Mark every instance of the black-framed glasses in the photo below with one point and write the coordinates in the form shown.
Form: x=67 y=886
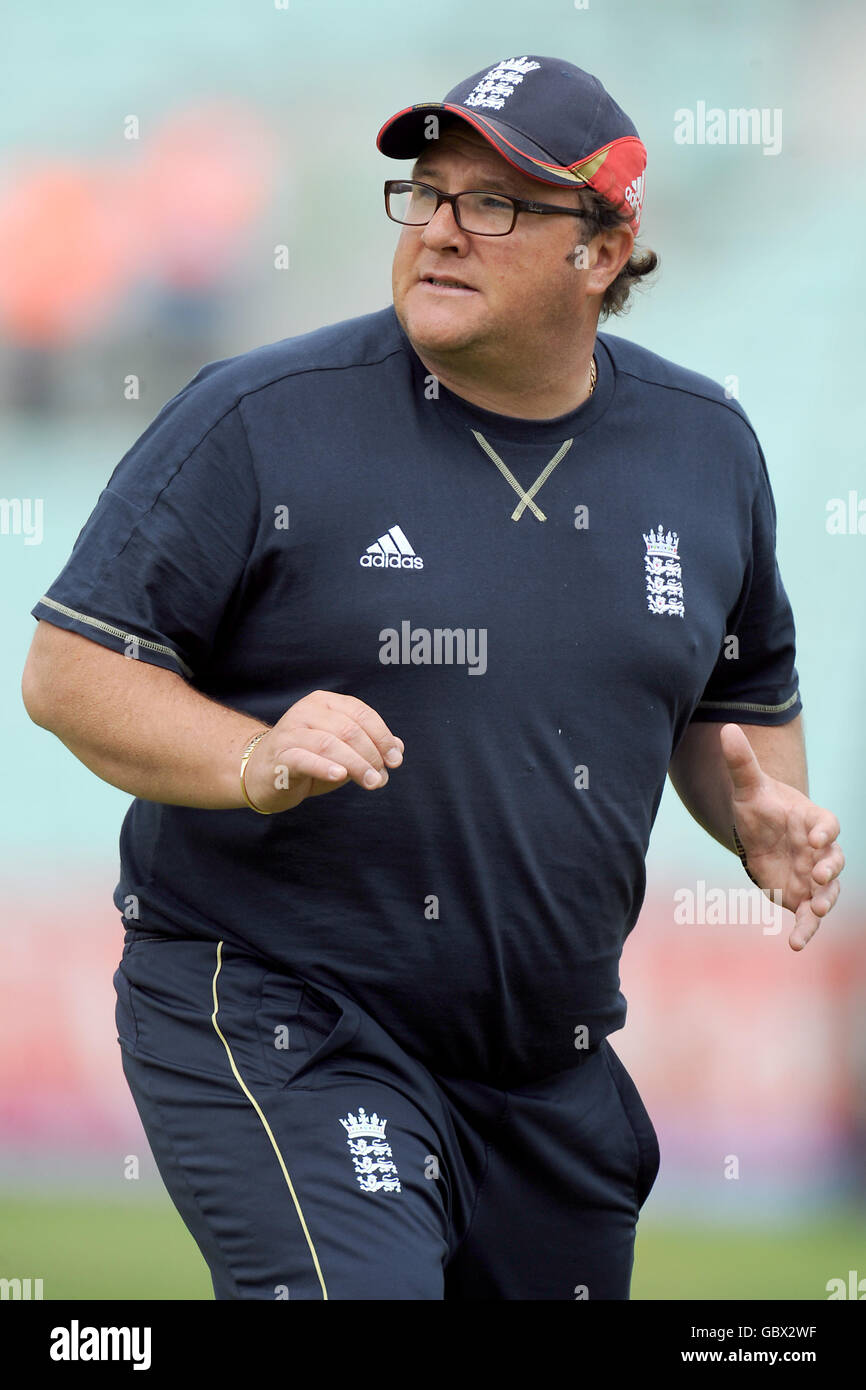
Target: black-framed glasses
x=475 y=211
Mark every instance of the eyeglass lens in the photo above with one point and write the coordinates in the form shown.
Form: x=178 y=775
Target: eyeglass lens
x=485 y=213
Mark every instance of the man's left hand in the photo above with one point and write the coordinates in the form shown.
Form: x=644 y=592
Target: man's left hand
x=790 y=843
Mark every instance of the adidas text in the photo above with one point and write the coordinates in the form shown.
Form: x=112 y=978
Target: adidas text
x=392 y=562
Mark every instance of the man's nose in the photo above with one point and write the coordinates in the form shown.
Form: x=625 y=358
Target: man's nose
x=442 y=229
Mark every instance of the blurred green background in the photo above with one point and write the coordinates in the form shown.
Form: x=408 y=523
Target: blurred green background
x=153 y=159
x=93 y=1249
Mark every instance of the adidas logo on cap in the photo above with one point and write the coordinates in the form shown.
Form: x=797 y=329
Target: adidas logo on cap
x=634 y=193
x=391 y=551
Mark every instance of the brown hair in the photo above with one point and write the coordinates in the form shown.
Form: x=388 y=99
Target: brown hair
x=601 y=216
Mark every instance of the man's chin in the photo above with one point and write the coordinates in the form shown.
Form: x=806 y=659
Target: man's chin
x=442 y=328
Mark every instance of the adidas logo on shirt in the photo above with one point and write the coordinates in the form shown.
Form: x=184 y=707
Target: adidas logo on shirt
x=392 y=552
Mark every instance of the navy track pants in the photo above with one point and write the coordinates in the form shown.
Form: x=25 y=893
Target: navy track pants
x=312 y=1158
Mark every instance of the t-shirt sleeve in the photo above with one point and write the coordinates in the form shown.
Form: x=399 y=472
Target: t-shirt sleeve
x=156 y=563
x=755 y=680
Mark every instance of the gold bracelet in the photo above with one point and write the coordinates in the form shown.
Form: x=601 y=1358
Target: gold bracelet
x=245 y=757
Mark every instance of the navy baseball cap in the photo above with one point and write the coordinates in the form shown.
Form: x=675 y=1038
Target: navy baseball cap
x=557 y=124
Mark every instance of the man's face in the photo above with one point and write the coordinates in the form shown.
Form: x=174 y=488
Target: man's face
x=525 y=281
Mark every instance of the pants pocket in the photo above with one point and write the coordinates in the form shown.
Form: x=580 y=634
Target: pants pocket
x=124 y=1013
x=191 y=1005
x=646 y=1139
x=300 y=1027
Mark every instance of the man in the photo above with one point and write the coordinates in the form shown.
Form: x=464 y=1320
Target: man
x=471 y=540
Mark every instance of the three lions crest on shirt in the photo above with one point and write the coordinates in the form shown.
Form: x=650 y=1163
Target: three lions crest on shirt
x=664 y=575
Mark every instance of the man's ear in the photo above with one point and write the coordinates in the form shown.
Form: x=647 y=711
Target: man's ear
x=605 y=257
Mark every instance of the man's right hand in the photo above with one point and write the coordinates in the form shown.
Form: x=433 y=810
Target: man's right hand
x=321 y=742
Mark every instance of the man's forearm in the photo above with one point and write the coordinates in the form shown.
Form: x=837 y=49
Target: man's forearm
x=137 y=726
x=703 y=784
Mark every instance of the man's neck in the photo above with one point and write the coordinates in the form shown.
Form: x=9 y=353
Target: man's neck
x=519 y=392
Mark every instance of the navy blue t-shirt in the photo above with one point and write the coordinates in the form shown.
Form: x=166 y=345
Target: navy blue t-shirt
x=537 y=608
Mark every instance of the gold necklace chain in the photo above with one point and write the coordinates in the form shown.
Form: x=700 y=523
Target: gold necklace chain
x=593 y=376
